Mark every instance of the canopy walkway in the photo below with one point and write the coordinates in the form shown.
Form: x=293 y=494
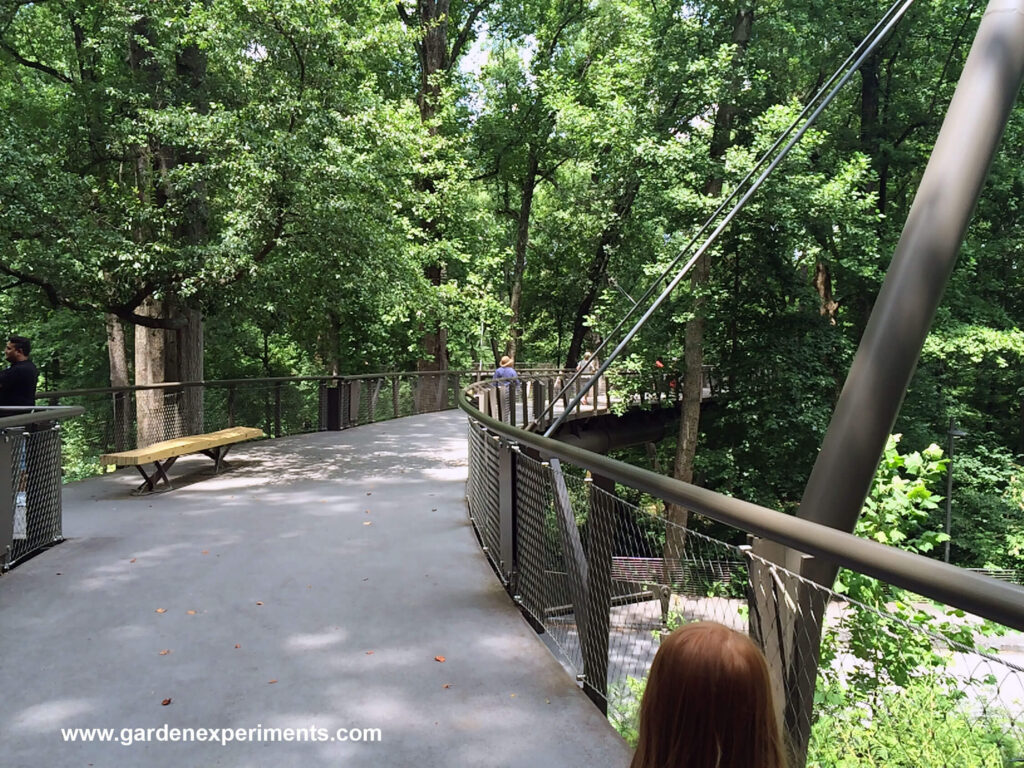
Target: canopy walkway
x=327 y=581
x=331 y=580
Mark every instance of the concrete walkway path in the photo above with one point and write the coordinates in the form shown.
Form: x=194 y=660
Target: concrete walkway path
x=314 y=587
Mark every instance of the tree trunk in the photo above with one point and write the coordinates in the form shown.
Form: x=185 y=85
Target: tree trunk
x=117 y=353
x=598 y=270
x=432 y=50
x=823 y=285
x=693 y=354
x=433 y=53
x=168 y=355
x=151 y=426
x=522 y=242
x=331 y=344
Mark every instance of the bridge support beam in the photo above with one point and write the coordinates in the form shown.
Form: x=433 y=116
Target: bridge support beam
x=903 y=313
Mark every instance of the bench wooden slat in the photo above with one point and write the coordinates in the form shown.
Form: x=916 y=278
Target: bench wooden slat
x=180 y=446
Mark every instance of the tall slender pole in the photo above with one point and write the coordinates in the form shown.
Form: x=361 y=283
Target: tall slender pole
x=951 y=435
x=920 y=269
x=895 y=334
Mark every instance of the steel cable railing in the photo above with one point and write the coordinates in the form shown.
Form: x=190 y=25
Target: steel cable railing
x=809 y=114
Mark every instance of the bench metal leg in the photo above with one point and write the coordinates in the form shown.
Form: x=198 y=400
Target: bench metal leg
x=218 y=454
x=152 y=479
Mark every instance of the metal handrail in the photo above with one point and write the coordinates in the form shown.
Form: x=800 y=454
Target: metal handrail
x=986 y=597
x=39 y=413
x=57 y=394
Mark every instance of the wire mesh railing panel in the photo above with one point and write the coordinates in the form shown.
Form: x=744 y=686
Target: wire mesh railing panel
x=482 y=487
x=865 y=673
x=382 y=398
x=218 y=408
x=299 y=407
x=360 y=395
x=904 y=682
x=490 y=520
x=35 y=482
x=536 y=537
x=899 y=682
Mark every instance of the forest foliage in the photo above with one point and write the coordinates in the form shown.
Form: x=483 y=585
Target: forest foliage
x=326 y=185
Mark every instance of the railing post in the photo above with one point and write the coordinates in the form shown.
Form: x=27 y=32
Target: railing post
x=7 y=473
x=373 y=393
x=508 y=402
x=277 y=409
x=538 y=400
x=354 y=398
x=442 y=391
x=506 y=508
x=344 y=397
x=394 y=395
x=231 y=405
x=321 y=424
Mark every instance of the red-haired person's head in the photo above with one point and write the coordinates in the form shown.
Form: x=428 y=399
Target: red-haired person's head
x=708 y=704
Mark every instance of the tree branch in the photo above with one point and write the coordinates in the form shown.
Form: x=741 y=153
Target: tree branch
x=463 y=37
x=49 y=289
x=403 y=14
x=35 y=64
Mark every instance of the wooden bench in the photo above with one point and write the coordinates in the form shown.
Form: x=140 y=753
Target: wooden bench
x=163 y=455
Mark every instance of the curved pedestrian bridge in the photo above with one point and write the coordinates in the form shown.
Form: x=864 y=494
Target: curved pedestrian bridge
x=330 y=581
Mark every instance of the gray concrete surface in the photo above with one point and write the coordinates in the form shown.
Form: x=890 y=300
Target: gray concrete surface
x=310 y=587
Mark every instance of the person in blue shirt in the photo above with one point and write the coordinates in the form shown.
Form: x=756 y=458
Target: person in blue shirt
x=505 y=370
x=508 y=376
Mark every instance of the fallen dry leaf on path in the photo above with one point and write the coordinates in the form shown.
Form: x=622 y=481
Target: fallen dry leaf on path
x=271 y=682
x=439 y=658
x=166 y=701
x=205 y=552
x=367 y=523
x=447 y=685
x=369 y=653
x=165 y=651
x=259 y=602
x=191 y=613
x=132 y=560
x=238 y=645
x=161 y=610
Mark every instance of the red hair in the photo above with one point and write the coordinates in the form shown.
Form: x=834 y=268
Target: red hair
x=708 y=704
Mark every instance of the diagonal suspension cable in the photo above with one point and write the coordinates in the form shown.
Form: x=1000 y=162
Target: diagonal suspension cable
x=860 y=53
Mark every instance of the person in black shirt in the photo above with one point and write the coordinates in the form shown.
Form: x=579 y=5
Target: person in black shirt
x=18 y=382
x=18 y=387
